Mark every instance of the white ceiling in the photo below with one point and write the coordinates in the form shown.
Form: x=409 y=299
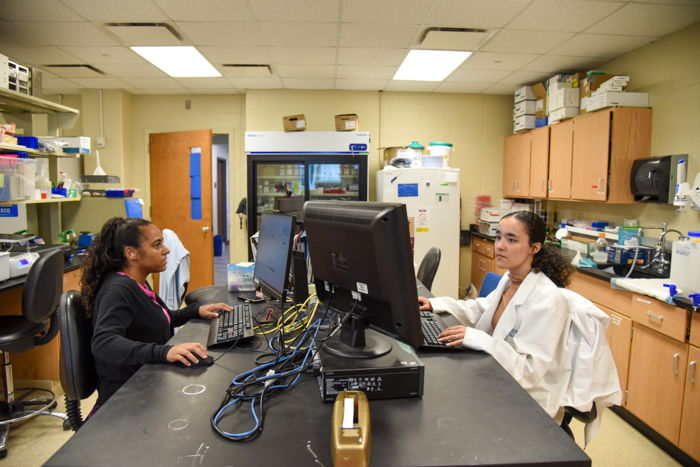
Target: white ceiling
x=332 y=44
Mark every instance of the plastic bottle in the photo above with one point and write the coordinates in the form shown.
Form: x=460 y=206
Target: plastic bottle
x=600 y=255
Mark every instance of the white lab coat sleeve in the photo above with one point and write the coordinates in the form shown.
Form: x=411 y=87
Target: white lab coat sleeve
x=536 y=342
x=467 y=312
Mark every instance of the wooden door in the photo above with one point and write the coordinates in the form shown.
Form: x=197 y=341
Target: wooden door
x=657 y=380
x=539 y=161
x=174 y=204
x=591 y=156
x=690 y=423
x=560 y=158
x=619 y=336
x=516 y=164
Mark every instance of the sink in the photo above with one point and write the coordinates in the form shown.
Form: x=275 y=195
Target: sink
x=622 y=270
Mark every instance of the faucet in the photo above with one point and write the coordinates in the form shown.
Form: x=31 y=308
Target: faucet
x=660 y=256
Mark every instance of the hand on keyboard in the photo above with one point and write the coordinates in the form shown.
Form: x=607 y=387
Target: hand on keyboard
x=212 y=310
x=453 y=336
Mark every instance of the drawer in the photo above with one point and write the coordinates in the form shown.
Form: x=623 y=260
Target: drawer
x=659 y=316
x=485 y=247
x=600 y=292
x=695 y=329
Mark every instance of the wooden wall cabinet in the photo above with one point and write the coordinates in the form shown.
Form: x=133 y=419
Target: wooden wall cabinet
x=539 y=162
x=483 y=261
x=561 y=149
x=516 y=165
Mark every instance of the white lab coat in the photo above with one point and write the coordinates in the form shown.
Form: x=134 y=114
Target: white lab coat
x=528 y=340
x=177 y=272
x=594 y=375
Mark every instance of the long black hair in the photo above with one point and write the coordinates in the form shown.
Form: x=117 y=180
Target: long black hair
x=106 y=254
x=548 y=260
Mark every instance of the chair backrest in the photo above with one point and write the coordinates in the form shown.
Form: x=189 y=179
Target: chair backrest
x=43 y=287
x=77 y=365
x=428 y=267
x=491 y=280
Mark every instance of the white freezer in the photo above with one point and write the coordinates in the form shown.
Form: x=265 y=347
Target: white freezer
x=431 y=196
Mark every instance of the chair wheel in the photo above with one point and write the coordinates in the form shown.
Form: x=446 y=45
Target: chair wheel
x=67 y=426
x=3 y=454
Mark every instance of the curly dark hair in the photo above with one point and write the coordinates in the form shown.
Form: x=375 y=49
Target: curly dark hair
x=106 y=254
x=548 y=260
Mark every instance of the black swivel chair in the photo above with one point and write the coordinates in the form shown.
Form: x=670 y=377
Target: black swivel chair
x=428 y=267
x=583 y=417
x=37 y=326
x=78 y=374
x=202 y=295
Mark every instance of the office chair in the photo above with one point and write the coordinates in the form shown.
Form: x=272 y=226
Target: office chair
x=491 y=280
x=37 y=326
x=202 y=295
x=428 y=267
x=77 y=364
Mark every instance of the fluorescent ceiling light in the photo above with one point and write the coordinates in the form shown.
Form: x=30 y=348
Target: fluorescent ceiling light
x=430 y=65
x=178 y=62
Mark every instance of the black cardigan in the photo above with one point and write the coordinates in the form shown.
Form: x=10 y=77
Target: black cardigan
x=129 y=330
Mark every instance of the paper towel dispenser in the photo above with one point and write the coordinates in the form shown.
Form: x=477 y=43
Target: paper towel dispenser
x=653 y=180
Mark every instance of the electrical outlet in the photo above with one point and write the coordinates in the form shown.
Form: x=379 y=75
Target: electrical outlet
x=101 y=142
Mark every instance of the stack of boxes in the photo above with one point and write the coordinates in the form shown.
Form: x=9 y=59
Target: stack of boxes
x=562 y=98
x=524 y=109
x=612 y=93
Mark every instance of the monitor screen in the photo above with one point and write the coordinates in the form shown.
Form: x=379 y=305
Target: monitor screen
x=272 y=261
x=365 y=248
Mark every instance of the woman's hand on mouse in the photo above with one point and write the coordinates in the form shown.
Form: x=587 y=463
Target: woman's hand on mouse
x=184 y=353
x=211 y=311
x=424 y=304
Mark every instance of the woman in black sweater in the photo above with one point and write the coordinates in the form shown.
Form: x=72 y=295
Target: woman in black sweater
x=131 y=323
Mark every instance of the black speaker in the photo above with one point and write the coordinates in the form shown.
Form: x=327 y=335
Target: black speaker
x=300 y=277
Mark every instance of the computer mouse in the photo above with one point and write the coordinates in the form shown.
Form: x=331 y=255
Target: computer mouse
x=202 y=361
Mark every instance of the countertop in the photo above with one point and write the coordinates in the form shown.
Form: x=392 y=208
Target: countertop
x=73 y=263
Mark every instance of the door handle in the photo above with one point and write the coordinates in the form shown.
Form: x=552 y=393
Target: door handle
x=517 y=188
x=675 y=360
x=690 y=372
x=654 y=316
x=549 y=185
x=542 y=184
x=600 y=186
x=205 y=229
x=512 y=185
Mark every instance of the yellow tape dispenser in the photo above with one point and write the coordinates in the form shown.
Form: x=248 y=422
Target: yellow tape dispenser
x=351 y=440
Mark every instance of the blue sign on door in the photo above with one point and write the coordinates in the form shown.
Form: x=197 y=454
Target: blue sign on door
x=9 y=211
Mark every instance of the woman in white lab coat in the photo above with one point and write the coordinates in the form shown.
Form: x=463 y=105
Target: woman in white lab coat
x=522 y=322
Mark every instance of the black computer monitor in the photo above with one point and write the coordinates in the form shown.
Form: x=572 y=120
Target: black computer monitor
x=364 y=249
x=273 y=258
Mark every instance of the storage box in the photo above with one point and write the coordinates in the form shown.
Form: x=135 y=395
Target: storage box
x=294 y=122
x=393 y=152
x=576 y=79
x=241 y=277
x=611 y=99
x=540 y=122
x=17 y=178
x=524 y=93
x=621 y=254
x=347 y=122
x=540 y=100
x=562 y=114
x=567 y=97
x=493 y=214
x=69 y=144
x=524 y=122
x=488 y=228
x=524 y=108
x=119 y=192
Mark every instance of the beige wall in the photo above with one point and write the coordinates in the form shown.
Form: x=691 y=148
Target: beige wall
x=669 y=70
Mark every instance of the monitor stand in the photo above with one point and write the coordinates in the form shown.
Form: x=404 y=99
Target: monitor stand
x=354 y=343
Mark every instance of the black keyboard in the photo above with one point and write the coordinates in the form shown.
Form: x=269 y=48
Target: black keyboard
x=432 y=328
x=231 y=327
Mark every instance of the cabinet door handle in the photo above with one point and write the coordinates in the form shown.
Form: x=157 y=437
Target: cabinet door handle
x=654 y=316
x=675 y=360
x=486 y=248
x=690 y=372
x=512 y=185
x=517 y=186
x=600 y=186
x=542 y=184
x=549 y=185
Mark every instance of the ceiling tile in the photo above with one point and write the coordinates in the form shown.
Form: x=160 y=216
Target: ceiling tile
x=133 y=71
x=386 y=11
x=164 y=91
x=205 y=83
x=293 y=83
x=477 y=76
x=361 y=84
x=47 y=74
x=80 y=71
x=306 y=71
x=59 y=83
x=470 y=88
x=250 y=55
x=563 y=64
x=599 y=45
x=101 y=83
x=37 y=10
x=122 y=11
x=205 y=10
x=151 y=83
x=12 y=35
x=377 y=35
x=297 y=11
x=222 y=33
x=300 y=34
x=41 y=55
x=497 y=61
x=304 y=55
x=503 y=89
x=230 y=90
x=68 y=33
x=411 y=86
x=99 y=55
x=366 y=72
x=370 y=56
x=481 y=14
x=562 y=15
x=647 y=20
x=526 y=42
x=256 y=83
x=523 y=78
